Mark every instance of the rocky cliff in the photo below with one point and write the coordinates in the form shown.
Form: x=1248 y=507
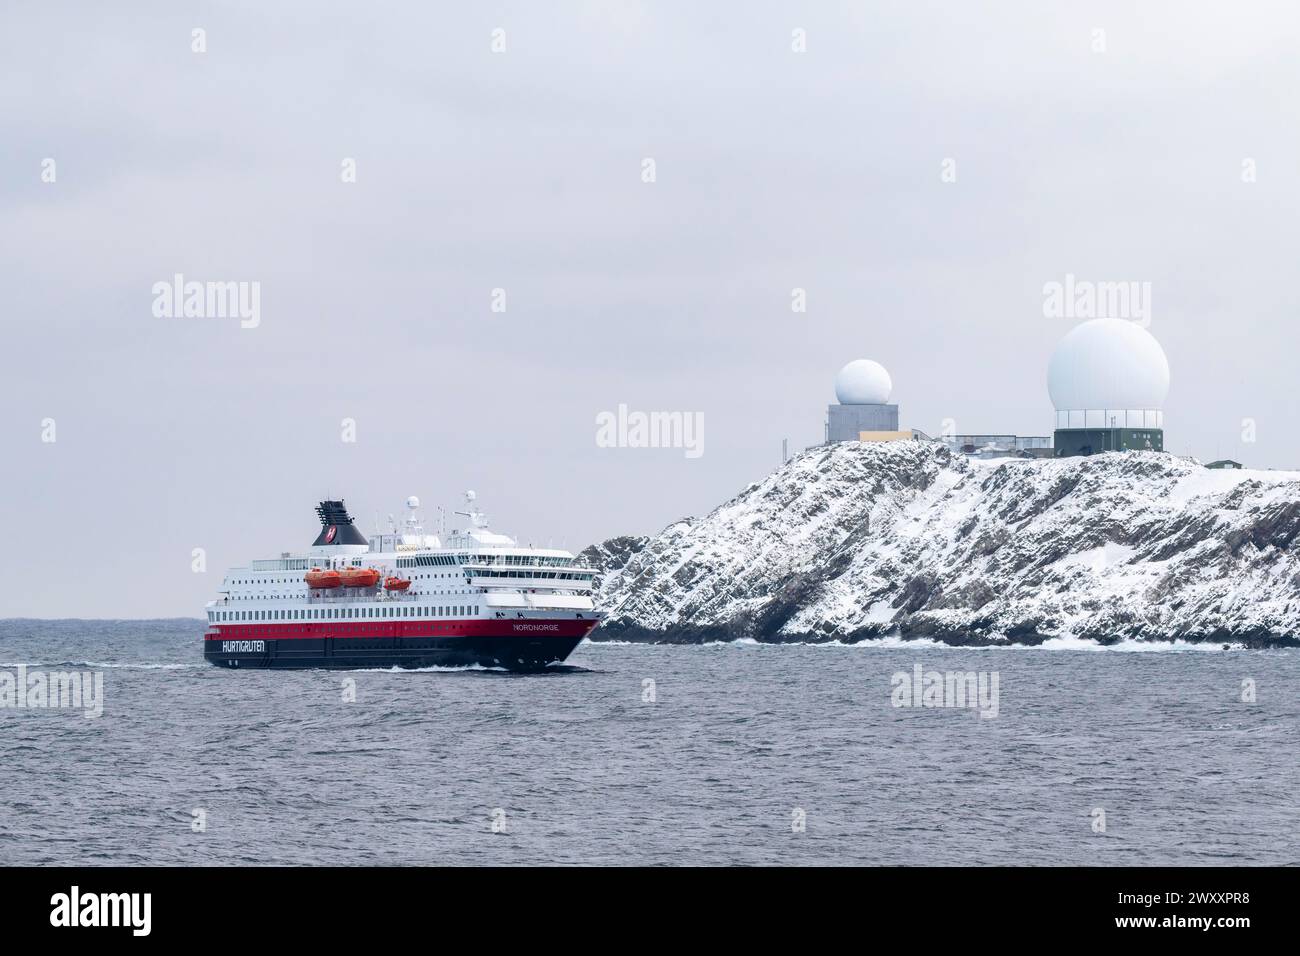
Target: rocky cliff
x=858 y=541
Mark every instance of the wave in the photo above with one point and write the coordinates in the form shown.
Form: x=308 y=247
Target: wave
x=893 y=642
x=1128 y=645
x=102 y=665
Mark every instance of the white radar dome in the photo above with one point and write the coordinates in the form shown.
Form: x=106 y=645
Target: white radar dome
x=1108 y=364
x=413 y=502
x=863 y=382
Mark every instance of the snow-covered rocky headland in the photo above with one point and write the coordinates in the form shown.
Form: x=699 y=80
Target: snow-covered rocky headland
x=854 y=541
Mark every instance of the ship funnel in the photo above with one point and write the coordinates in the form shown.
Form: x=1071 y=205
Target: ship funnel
x=336 y=525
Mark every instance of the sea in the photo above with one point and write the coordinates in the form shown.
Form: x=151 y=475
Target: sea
x=638 y=754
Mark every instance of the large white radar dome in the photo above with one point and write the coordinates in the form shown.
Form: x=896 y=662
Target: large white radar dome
x=863 y=382
x=1108 y=364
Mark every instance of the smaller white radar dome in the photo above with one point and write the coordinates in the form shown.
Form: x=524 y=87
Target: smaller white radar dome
x=412 y=502
x=863 y=382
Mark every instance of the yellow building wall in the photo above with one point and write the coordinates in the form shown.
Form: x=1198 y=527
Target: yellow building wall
x=884 y=436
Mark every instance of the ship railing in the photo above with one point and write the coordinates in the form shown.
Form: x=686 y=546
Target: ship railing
x=355 y=595
x=502 y=566
x=525 y=584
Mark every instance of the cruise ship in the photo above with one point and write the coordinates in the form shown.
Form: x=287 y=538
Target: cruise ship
x=403 y=599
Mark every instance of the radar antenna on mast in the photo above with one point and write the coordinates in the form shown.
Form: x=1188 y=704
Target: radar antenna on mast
x=476 y=518
x=413 y=523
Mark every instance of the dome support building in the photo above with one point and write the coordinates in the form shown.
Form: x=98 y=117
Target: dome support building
x=1070 y=442
x=863 y=412
x=1108 y=379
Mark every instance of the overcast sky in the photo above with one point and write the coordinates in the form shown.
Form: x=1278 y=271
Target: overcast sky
x=1112 y=156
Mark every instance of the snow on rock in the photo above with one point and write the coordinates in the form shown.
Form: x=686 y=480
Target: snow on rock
x=856 y=541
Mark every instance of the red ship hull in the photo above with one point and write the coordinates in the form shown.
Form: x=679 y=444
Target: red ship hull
x=522 y=645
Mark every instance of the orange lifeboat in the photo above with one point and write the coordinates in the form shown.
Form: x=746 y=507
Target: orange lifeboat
x=319 y=578
x=359 y=577
x=396 y=584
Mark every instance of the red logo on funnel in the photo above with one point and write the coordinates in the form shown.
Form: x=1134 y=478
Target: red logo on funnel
x=329 y=534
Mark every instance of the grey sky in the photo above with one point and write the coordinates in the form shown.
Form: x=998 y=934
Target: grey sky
x=522 y=170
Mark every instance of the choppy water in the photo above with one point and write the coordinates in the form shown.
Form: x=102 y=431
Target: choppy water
x=738 y=738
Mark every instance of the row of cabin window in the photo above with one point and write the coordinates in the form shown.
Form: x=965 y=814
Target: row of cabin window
x=294 y=596
x=429 y=560
x=336 y=613
x=561 y=575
